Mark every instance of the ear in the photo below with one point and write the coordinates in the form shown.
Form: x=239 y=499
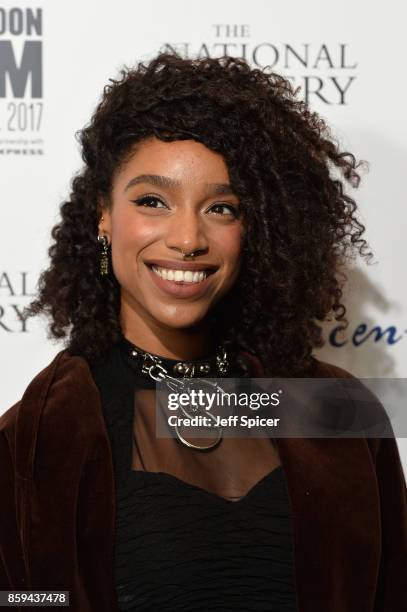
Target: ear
x=105 y=219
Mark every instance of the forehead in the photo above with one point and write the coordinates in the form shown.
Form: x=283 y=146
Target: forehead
x=181 y=161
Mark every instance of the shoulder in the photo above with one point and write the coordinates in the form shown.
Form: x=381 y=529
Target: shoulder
x=64 y=386
x=323 y=369
x=372 y=415
x=58 y=415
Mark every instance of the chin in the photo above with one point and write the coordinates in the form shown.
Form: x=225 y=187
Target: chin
x=180 y=321
x=180 y=324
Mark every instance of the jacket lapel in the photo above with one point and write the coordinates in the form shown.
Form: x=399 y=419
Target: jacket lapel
x=335 y=510
x=65 y=486
x=336 y=522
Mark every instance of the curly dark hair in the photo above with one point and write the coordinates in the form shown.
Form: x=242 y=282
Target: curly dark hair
x=288 y=172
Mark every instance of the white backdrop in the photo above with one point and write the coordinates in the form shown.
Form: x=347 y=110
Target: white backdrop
x=350 y=63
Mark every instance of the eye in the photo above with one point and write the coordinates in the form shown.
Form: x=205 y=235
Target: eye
x=149 y=202
x=232 y=211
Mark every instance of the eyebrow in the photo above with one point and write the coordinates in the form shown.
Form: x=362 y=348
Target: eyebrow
x=165 y=181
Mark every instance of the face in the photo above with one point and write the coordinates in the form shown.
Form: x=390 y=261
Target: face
x=171 y=197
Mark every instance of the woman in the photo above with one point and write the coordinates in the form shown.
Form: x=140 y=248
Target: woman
x=203 y=238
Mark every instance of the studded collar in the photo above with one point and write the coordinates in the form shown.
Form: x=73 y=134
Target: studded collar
x=215 y=365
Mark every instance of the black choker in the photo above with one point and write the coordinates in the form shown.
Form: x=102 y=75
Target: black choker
x=152 y=365
x=178 y=375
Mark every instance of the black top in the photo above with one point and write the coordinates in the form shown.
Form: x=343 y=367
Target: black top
x=178 y=546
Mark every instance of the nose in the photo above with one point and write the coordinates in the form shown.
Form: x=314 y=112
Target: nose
x=186 y=232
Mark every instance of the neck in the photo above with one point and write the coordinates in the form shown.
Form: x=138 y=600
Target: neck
x=184 y=344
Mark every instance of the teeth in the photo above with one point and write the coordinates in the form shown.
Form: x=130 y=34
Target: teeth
x=187 y=276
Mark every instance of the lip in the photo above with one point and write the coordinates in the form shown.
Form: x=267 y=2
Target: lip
x=180 y=289
x=182 y=265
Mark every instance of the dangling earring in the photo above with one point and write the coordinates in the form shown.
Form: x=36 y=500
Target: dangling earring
x=104 y=260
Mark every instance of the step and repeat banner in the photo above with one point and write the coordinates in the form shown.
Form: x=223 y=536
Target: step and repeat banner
x=347 y=59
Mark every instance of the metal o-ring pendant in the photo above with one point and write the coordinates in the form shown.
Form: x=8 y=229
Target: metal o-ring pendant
x=195 y=446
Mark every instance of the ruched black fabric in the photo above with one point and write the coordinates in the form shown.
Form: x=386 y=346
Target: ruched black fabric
x=179 y=547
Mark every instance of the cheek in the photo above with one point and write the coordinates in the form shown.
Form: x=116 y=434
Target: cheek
x=132 y=235
x=229 y=244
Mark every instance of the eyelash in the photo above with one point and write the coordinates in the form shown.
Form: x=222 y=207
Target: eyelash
x=142 y=202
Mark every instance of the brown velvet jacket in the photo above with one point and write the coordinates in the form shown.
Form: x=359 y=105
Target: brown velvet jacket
x=57 y=509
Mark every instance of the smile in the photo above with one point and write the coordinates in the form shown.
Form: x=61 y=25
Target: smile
x=182 y=283
x=185 y=276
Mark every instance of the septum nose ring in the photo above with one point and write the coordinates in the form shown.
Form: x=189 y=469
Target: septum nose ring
x=191 y=254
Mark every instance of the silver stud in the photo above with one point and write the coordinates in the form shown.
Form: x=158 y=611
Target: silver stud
x=179 y=368
x=223 y=366
x=134 y=353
